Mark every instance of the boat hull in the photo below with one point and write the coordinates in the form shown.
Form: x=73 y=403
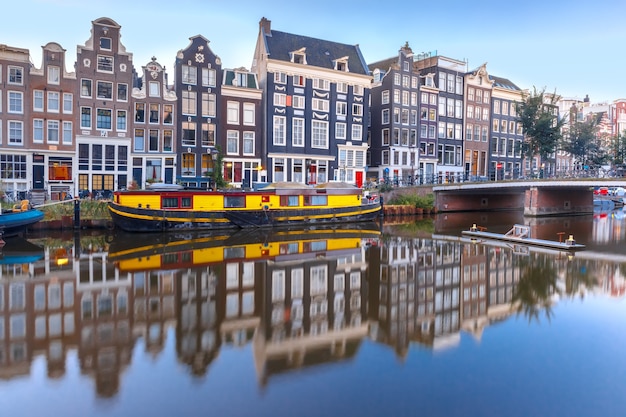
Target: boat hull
x=137 y=219
x=13 y=223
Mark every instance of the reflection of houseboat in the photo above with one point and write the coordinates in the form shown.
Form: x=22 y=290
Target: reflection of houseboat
x=173 y=208
x=182 y=251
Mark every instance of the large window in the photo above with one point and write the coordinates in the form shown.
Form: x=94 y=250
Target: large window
x=189 y=102
x=53 y=101
x=208 y=134
x=105 y=63
x=319 y=134
x=248 y=143
x=232 y=113
x=279 y=130
x=13 y=166
x=208 y=77
x=232 y=142
x=208 y=105
x=85 y=117
x=67 y=133
x=154 y=113
x=38 y=100
x=53 y=131
x=38 y=130
x=103 y=119
x=16 y=102
x=168 y=111
x=16 y=75
x=122 y=92
x=121 y=120
x=68 y=103
x=189 y=75
x=139 y=144
x=248 y=114
x=189 y=134
x=153 y=144
x=85 y=88
x=104 y=90
x=54 y=74
x=297 y=132
x=16 y=133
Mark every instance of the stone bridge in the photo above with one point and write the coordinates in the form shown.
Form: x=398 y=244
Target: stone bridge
x=535 y=197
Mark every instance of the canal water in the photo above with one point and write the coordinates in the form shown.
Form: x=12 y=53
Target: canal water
x=402 y=318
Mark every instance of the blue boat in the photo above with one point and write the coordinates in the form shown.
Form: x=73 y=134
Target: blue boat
x=18 y=219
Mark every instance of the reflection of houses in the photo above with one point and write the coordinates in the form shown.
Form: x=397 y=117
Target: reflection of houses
x=197 y=334
x=241 y=317
x=15 y=339
x=474 y=286
x=105 y=320
x=314 y=307
x=504 y=275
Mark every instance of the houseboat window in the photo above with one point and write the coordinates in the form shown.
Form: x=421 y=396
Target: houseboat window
x=315 y=200
x=186 y=202
x=169 y=202
x=234 y=201
x=314 y=246
x=287 y=248
x=234 y=253
x=289 y=200
x=170 y=259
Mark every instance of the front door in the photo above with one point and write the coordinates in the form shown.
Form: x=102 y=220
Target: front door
x=359 y=178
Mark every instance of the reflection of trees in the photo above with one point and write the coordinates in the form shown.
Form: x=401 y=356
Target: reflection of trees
x=537 y=284
x=579 y=278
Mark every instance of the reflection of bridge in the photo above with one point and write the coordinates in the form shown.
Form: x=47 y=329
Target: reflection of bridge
x=537 y=198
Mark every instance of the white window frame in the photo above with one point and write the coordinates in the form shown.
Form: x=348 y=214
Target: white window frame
x=54 y=75
x=38 y=130
x=54 y=101
x=16 y=102
x=67 y=133
x=68 y=103
x=249 y=112
x=298 y=102
x=340 y=130
x=319 y=134
x=280 y=99
x=232 y=112
x=297 y=132
x=38 y=100
x=232 y=136
x=248 y=138
x=280 y=132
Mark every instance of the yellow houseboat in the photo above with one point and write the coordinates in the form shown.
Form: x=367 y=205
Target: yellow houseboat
x=174 y=208
x=194 y=249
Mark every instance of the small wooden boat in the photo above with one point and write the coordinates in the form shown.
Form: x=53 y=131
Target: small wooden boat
x=18 y=219
x=174 y=208
x=520 y=233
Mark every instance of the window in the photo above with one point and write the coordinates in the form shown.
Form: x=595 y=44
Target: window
x=53 y=74
x=248 y=143
x=279 y=130
x=16 y=75
x=105 y=43
x=85 y=117
x=297 y=132
x=357 y=132
x=232 y=112
x=384 y=97
x=189 y=102
x=189 y=134
x=319 y=134
x=121 y=120
x=103 y=119
x=153 y=140
x=297 y=102
x=104 y=90
x=168 y=110
x=340 y=130
x=38 y=100
x=357 y=110
x=154 y=113
x=208 y=105
x=105 y=63
x=358 y=90
x=232 y=142
x=67 y=133
x=280 y=78
x=320 y=105
x=342 y=108
x=208 y=134
x=280 y=99
x=299 y=80
x=321 y=84
x=153 y=89
x=385 y=116
x=68 y=103
x=342 y=87
x=139 y=141
x=16 y=133
x=189 y=75
x=385 y=136
x=167 y=140
x=53 y=101
x=248 y=114
x=208 y=77
x=85 y=88
x=38 y=130
x=53 y=131
x=16 y=102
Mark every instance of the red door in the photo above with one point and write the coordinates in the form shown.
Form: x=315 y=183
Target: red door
x=359 y=179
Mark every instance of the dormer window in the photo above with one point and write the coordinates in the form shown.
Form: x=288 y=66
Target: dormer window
x=378 y=75
x=299 y=56
x=341 y=64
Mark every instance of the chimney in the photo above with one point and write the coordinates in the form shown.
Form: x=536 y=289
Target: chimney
x=265 y=26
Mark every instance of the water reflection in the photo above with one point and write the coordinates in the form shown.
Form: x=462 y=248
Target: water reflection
x=297 y=298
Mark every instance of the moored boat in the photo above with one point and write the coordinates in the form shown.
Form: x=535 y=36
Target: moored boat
x=18 y=219
x=174 y=208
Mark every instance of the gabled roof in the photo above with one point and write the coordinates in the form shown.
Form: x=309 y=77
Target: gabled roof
x=504 y=83
x=319 y=53
x=385 y=64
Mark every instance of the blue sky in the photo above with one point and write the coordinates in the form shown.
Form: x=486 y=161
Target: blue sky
x=575 y=48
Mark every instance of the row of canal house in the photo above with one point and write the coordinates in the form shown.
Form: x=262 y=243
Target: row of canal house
x=308 y=111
